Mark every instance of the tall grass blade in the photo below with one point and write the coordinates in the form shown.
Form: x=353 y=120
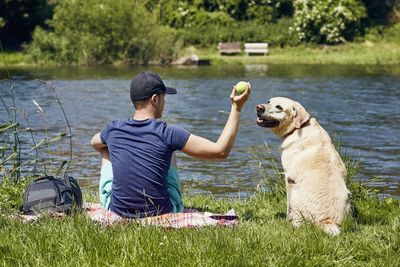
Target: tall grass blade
x=6 y=126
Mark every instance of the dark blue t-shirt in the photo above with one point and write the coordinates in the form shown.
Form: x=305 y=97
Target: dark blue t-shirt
x=140 y=153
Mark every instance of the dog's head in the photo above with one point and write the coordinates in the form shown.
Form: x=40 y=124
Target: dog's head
x=282 y=115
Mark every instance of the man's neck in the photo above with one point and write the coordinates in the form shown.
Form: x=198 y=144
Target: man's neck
x=141 y=115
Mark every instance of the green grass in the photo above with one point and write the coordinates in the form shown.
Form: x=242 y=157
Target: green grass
x=383 y=53
x=262 y=238
x=15 y=59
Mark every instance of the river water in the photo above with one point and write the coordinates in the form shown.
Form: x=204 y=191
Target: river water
x=358 y=105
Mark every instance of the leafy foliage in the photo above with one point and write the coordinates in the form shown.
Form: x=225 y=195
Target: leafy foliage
x=392 y=34
x=19 y=18
x=92 y=32
x=327 y=21
x=139 y=32
x=12 y=193
x=380 y=12
x=203 y=23
x=179 y=13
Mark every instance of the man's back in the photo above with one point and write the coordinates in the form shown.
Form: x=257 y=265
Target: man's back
x=140 y=153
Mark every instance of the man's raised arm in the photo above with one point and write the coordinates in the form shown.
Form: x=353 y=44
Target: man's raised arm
x=200 y=147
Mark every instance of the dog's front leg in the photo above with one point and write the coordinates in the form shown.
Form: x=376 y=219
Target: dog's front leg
x=289 y=189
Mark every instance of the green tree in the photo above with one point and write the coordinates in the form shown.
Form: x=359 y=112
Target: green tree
x=380 y=11
x=327 y=21
x=177 y=13
x=89 y=32
x=208 y=22
x=20 y=17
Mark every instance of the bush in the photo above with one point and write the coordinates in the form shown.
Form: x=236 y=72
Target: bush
x=381 y=33
x=277 y=34
x=203 y=23
x=19 y=18
x=374 y=34
x=331 y=22
x=392 y=34
x=12 y=193
x=87 y=32
x=179 y=14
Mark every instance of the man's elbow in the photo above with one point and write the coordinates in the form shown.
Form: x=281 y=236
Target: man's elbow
x=222 y=155
x=96 y=144
x=93 y=143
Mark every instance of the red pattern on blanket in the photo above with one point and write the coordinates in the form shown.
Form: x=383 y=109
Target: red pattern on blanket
x=170 y=220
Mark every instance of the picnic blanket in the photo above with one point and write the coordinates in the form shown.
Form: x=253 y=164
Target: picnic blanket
x=187 y=219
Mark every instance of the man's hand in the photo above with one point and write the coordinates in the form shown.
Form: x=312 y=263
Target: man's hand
x=238 y=101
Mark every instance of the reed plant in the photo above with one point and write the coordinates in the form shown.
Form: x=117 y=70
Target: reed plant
x=22 y=145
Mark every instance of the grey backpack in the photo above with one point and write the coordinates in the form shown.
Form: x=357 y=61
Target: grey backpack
x=52 y=194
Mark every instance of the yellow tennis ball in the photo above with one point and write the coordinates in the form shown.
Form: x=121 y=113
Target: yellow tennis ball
x=241 y=87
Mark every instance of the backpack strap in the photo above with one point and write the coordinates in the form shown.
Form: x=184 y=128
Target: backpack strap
x=44 y=178
x=73 y=186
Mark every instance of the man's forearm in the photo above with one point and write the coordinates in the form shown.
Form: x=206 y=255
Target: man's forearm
x=203 y=148
x=228 y=135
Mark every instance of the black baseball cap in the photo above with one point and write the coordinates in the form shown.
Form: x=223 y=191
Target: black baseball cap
x=146 y=84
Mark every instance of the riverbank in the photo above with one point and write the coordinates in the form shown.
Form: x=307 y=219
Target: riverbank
x=262 y=238
x=367 y=53
x=15 y=59
x=348 y=54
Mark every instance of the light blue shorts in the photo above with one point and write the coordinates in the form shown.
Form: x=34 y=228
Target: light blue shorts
x=174 y=189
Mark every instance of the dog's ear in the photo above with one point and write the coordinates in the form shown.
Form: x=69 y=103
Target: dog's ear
x=300 y=115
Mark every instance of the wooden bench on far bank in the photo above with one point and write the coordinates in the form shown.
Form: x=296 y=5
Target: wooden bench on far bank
x=229 y=48
x=256 y=48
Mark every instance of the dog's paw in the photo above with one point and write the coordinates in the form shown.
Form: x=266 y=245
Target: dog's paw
x=331 y=229
x=296 y=223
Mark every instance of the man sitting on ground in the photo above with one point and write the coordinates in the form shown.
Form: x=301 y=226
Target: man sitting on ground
x=141 y=149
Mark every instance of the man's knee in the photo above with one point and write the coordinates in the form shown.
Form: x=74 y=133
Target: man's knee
x=105 y=161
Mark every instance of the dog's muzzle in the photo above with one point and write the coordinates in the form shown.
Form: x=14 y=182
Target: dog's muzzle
x=263 y=120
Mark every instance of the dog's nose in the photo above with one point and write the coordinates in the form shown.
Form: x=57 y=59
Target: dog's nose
x=260 y=109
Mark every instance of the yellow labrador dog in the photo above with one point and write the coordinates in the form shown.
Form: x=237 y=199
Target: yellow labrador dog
x=314 y=172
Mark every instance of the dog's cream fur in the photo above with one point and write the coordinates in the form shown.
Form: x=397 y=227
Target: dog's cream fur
x=314 y=172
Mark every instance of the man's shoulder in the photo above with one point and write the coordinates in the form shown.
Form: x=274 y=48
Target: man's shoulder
x=115 y=125
x=168 y=127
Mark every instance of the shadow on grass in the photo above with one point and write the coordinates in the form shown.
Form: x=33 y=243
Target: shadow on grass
x=280 y=215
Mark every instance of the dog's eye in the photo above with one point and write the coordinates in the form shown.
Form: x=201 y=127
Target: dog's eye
x=268 y=101
x=279 y=107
